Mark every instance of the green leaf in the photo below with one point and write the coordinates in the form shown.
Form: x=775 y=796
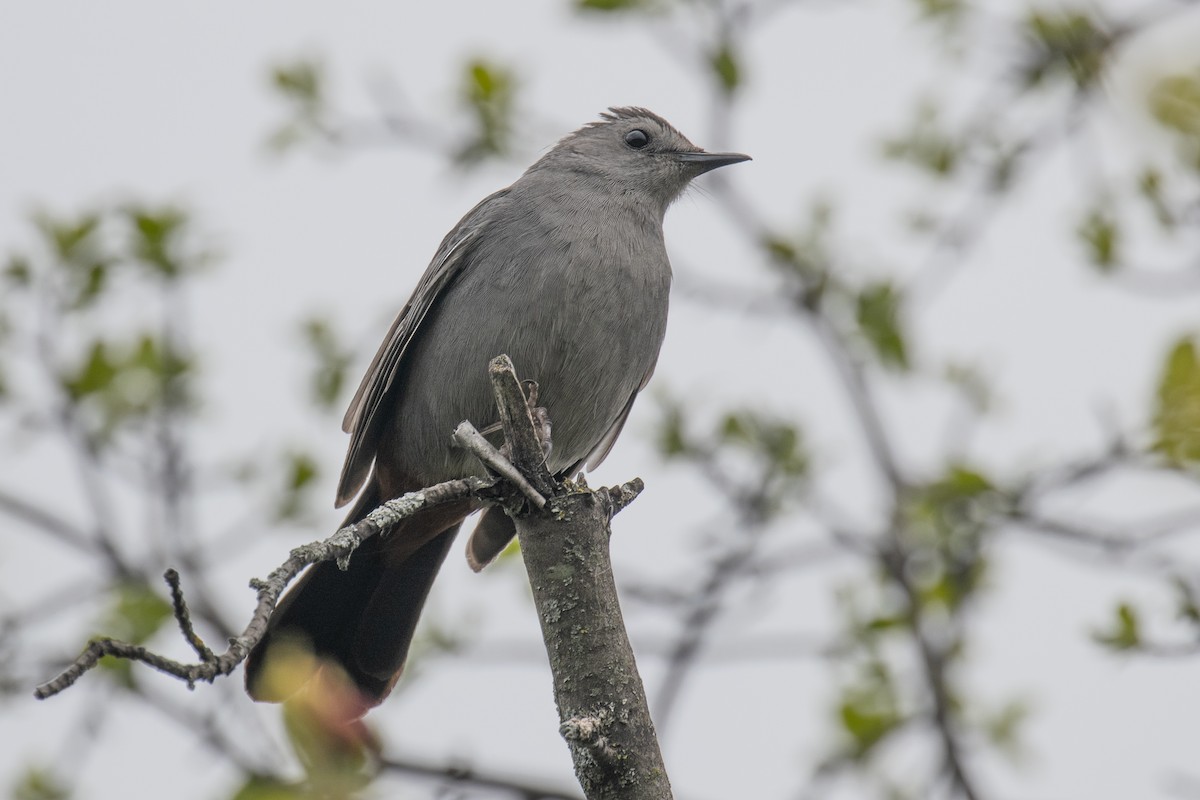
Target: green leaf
x=886 y=623
x=868 y=709
x=18 y=272
x=267 y=788
x=724 y=64
x=780 y=249
x=1125 y=631
x=672 y=437
x=804 y=257
x=776 y=442
x=39 y=783
x=118 y=670
x=1003 y=727
x=1102 y=238
x=68 y=238
x=300 y=474
x=136 y=614
x=301 y=84
x=867 y=727
x=510 y=552
x=122 y=384
x=1150 y=187
x=611 y=5
x=927 y=145
x=489 y=93
x=941 y=9
x=334 y=752
x=332 y=362
x=301 y=81
x=157 y=241
x=970 y=381
x=1175 y=103
x=80 y=256
x=945 y=529
x=878 y=314
x=1177 y=417
x=963 y=482
x=1065 y=43
x=95 y=375
x=733 y=428
x=1188 y=606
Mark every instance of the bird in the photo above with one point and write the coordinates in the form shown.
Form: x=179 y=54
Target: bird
x=565 y=271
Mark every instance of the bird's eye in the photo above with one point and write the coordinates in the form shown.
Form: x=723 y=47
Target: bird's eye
x=637 y=139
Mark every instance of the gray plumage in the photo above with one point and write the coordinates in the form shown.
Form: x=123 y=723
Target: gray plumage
x=566 y=271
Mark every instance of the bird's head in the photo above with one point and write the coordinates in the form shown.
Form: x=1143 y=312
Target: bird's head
x=633 y=151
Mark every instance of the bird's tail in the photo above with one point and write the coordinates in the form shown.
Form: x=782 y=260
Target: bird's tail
x=360 y=620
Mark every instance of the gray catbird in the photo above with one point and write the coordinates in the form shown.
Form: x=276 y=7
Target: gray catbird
x=566 y=272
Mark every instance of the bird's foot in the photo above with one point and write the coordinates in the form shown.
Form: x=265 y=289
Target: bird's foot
x=541 y=417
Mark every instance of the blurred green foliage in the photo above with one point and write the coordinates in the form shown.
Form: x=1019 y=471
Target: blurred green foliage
x=1064 y=43
x=108 y=383
x=118 y=385
x=259 y=787
x=488 y=93
x=759 y=458
x=878 y=312
x=136 y=613
x=612 y=5
x=1101 y=238
x=301 y=85
x=1124 y=632
x=300 y=472
x=726 y=67
x=1174 y=101
x=904 y=634
x=927 y=144
x=37 y=783
x=332 y=360
x=869 y=709
x=1177 y=415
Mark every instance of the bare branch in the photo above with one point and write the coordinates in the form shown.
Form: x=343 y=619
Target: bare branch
x=466 y=776
x=47 y=522
x=337 y=547
x=468 y=438
x=601 y=701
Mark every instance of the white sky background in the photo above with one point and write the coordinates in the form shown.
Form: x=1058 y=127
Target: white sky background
x=134 y=99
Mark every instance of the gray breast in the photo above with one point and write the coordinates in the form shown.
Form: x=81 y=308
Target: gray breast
x=580 y=309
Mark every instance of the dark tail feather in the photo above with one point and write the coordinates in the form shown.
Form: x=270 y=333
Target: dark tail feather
x=491 y=535
x=364 y=617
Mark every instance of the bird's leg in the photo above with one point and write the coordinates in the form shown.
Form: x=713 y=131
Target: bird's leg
x=541 y=422
x=541 y=417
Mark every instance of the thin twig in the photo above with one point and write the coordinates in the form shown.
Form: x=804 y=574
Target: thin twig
x=467 y=437
x=184 y=618
x=47 y=522
x=337 y=547
x=468 y=776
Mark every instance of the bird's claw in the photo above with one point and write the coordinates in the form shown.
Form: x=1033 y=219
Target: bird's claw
x=541 y=417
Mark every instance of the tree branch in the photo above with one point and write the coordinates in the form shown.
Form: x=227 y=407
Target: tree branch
x=601 y=701
x=465 y=776
x=338 y=547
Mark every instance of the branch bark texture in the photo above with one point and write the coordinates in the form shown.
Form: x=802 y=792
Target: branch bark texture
x=599 y=693
x=601 y=701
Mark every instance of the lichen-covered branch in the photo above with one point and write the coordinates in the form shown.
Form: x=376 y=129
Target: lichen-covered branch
x=601 y=701
x=337 y=547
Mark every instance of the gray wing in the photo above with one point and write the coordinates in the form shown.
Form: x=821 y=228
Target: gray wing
x=361 y=420
x=605 y=445
x=495 y=529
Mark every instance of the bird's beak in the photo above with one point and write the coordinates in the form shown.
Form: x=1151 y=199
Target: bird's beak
x=704 y=162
